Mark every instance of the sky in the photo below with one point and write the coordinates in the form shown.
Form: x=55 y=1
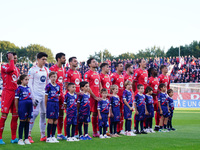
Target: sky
x=81 y=27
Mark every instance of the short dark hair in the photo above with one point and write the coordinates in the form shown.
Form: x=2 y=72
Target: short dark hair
x=59 y=55
x=70 y=84
x=71 y=58
x=11 y=53
x=117 y=64
x=148 y=89
x=139 y=86
x=52 y=73
x=89 y=61
x=161 y=85
x=169 y=91
x=104 y=90
x=128 y=65
x=103 y=65
x=162 y=66
x=41 y=54
x=83 y=83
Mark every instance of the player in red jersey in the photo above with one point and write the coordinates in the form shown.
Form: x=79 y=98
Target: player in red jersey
x=140 y=77
x=154 y=83
x=105 y=82
x=128 y=75
x=9 y=74
x=164 y=78
x=61 y=73
x=104 y=77
x=93 y=78
x=118 y=79
x=73 y=76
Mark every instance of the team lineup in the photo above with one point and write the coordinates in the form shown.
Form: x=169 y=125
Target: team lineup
x=109 y=99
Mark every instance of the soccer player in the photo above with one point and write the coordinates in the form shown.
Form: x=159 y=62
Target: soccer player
x=24 y=107
x=163 y=107
x=52 y=93
x=61 y=74
x=9 y=74
x=103 y=113
x=171 y=107
x=164 y=78
x=118 y=79
x=149 y=105
x=140 y=109
x=140 y=77
x=71 y=109
x=128 y=107
x=83 y=106
x=73 y=76
x=129 y=73
x=38 y=75
x=93 y=78
x=154 y=83
x=104 y=77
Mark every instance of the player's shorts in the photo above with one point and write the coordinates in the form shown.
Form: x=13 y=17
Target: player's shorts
x=25 y=109
x=8 y=101
x=141 y=115
x=83 y=118
x=104 y=121
x=165 y=111
x=127 y=112
x=72 y=120
x=41 y=106
x=150 y=109
x=52 y=110
x=61 y=102
x=116 y=114
x=93 y=105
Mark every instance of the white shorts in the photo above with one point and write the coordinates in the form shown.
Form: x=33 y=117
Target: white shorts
x=41 y=105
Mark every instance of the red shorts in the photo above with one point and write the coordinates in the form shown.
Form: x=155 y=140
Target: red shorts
x=155 y=105
x=93 y=105
x=8 y=102
x=61 y=102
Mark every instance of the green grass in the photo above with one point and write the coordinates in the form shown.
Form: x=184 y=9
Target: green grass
x=187 y=136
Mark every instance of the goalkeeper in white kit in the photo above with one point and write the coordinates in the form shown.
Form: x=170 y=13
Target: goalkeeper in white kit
x=38 y=79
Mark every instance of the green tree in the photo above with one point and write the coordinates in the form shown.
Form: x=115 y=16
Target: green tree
x=33 y=49
x=6 y=46
x=106 y=55
x=126 y=55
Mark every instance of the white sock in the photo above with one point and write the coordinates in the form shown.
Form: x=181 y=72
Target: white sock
x=32 y=121
x=42 y=124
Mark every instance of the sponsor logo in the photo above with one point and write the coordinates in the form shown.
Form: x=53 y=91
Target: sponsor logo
x=77 y=81
x=14 y=77
x=121 y=84
x=96 y=81
x=60 y=79
x=107 y=84
x=42 y=78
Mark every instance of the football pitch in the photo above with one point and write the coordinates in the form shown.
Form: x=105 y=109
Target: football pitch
x=187 y=136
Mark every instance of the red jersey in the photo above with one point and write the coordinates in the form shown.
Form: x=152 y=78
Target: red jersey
x=119 y=81
x=128 y=77
x=105 y=81
x=75 y=77
x=10 y=74
x=154 y=83
x=141 y=77
x=61 y=72
x=93 y=78
x=164 y=79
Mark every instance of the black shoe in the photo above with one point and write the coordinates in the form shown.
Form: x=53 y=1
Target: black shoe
x=172 y=129
x=156 y=128
x=143 y=132
x=137 y=132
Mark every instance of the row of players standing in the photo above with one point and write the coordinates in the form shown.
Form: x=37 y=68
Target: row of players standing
x=39 y=79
